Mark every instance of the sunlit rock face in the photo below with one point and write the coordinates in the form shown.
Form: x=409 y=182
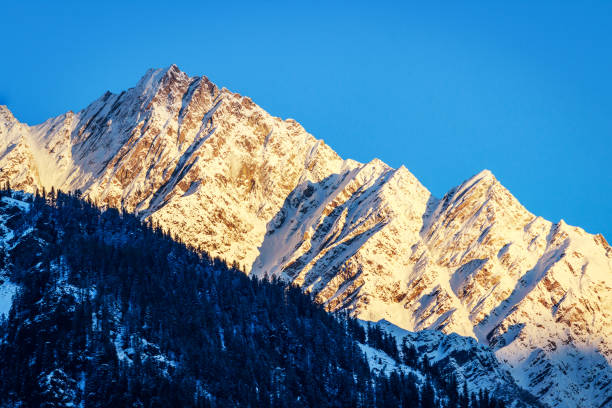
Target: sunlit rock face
x=222 y=174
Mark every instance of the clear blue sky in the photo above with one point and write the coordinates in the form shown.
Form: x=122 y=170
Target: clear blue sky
x=445 y=89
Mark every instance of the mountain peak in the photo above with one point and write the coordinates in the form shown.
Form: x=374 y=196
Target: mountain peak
x=151 y=78
x=154 y=76
x=484 y=174
x=476 y=187
x=173 y=67
x=6 y=114
x=219 y=172
x=483 y=177
x=173 y=72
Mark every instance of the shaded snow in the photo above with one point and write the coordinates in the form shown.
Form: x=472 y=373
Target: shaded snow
x=7 y=293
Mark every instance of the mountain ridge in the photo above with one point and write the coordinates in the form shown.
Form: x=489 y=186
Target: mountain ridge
x=98 y=308
x=222 y=174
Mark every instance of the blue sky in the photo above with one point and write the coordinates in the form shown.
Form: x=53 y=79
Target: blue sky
x=446 y=89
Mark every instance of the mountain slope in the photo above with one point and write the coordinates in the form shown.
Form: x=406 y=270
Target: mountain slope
x=221 y=174
x=110 y=312
x=175 y=144
x=539 y=293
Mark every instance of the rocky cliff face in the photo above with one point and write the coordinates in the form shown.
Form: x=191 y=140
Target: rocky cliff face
x=537 y=292
x=206 y=163
x=222 y=174
x=475 y=263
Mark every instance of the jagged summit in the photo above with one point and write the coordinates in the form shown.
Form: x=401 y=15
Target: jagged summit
x=5 y=110
x=478 y=182
x=6 y=116
x=154 y=76
x=485 y=173
x=222 y=174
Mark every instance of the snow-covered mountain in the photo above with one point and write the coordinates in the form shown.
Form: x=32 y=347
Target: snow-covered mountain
x=222 y=174
x=72 y=287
